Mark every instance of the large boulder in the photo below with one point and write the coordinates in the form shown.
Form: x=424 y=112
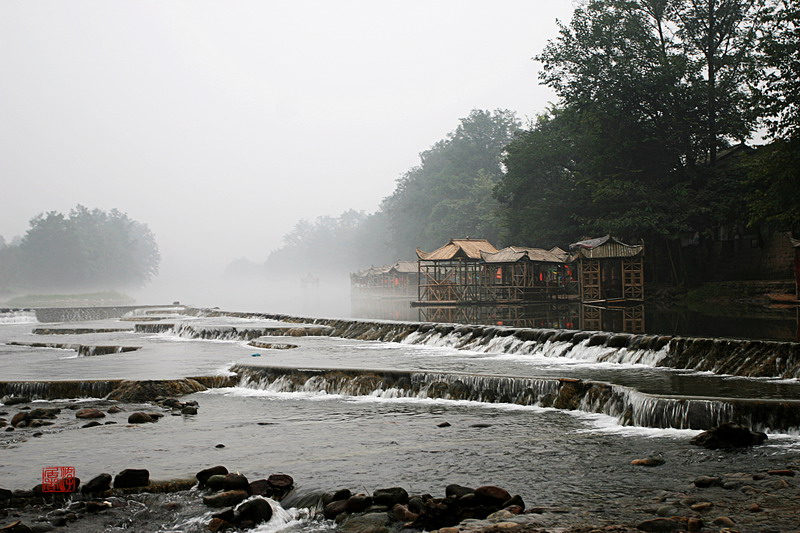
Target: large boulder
x=457 y=490
x=492 y=496
x=140 y=418
x=255 y=511
x=97 y=484
x=334 y=509
x=729 y=436
x=236 y=482
x=215 y=481
x=389 y=497
x=132 y=477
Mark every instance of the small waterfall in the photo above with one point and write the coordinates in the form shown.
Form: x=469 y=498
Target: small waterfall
x=17 y=316
x=115 y=389
x=82 y=349
x=82 y=314
x=735 y=357
x=629 y=407
x=230 y=333
x=53 y=390
x=78 y=331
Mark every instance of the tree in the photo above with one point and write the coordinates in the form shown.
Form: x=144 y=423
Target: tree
x=86 y=249
x=718 y=38
x=774 y=178
x=445 y=196
x=780 y=93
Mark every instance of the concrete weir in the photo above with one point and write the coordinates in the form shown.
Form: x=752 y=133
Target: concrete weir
x=112 y=389
x=736 y=357
x=628 y=406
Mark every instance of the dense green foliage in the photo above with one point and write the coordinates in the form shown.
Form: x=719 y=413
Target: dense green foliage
x=651 y=95
x=86 y=249
x=656 y=99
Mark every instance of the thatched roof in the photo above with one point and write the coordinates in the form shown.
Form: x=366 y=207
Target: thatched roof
x=604 y=247
x=461 y=248
x=512 y=254
x=405 y=267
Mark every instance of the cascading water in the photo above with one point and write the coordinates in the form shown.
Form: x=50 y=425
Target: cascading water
x=628 y=406
x=724 y=356
x=17 y=316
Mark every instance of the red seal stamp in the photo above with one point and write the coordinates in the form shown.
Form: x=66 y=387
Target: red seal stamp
x=59 y=479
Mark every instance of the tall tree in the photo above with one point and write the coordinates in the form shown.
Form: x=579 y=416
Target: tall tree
x=446 y=195
x=719 y=37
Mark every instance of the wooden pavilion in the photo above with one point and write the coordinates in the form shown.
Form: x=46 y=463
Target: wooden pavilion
x=396 y=280
x=452 y=274
x=609 y=270
x=516 y=274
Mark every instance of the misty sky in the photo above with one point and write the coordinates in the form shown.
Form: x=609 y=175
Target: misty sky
x=220 y=124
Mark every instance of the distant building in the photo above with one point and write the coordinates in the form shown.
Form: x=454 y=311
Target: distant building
x=453 y=272
x=395 y=280
x=609 y=270
x=518 y=274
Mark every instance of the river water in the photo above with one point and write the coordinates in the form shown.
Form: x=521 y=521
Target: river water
x=327 y=438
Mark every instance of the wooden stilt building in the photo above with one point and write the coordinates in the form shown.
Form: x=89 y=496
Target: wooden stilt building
x=609 y=270
x=452 y=274
x=516 y=274
x=398 y=280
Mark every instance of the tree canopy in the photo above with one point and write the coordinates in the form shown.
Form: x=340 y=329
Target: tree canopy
x=86 y=249
x=656 y=99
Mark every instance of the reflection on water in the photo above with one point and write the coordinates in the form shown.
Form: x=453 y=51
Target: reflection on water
x=773 y=323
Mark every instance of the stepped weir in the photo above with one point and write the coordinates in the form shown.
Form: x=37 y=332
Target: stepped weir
x=628 y=406
x=735 y=357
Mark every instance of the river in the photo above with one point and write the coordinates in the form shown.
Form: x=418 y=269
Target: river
x=336 y=412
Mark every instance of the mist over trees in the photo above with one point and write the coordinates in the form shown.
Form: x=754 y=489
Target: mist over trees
x=83 y=250
x=656 y=99
x=449 y=194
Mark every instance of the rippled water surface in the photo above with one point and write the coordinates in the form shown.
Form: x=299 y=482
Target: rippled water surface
x=327 y=441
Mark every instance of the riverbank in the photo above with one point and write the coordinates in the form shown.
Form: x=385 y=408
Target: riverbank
x=713 y=495
x=738 y=501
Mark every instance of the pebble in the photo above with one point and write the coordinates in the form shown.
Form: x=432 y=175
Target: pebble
x=724 y=521
x=702 y=506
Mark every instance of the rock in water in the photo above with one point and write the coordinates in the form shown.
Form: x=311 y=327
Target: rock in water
x=203 y=475
x=15 y=400
x=491 y=495
x=390 y=497
x=225 y=499
x=99 y=483
x=90 y=413
x=236 y=482
x=140 y=418
x=149 y=390
x=132 y=477
x=215 y=481
x=729 y=436
x=257 y=510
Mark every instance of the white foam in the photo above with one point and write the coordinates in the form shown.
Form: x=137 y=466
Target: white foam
x=17 y=317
